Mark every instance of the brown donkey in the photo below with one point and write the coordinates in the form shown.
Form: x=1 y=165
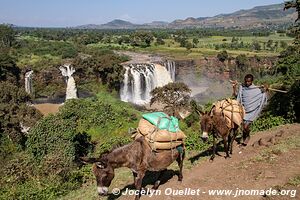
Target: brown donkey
x=139 y=157
x=215 y=123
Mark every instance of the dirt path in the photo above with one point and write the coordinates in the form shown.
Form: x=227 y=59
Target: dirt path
x=270 y=163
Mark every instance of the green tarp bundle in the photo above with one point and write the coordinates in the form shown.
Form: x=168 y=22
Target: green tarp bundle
x=162 y=121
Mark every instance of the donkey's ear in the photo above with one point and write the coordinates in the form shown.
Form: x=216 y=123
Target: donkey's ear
x=86 y=160
x=200 y=112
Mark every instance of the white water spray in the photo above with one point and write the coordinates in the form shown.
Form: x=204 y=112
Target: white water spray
x=28 y=82
x=67 y=71
x=141 y=79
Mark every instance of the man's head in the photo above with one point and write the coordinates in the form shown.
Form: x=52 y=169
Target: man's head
x=248 y=80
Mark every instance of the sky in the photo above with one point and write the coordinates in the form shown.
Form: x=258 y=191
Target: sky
x=68 y=13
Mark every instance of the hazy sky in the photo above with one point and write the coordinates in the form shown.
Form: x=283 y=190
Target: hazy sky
x=61 y=13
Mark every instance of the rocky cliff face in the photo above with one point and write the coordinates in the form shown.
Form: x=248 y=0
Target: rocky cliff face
x=209 y=78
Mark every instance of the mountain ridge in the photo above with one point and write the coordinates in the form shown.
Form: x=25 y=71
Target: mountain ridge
x=266 y=16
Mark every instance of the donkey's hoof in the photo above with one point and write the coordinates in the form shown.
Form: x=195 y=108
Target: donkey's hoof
x=155 y=187
x=180 y=178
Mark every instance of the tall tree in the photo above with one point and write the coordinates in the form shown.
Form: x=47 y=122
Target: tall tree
x=296 y=29
x=195 y=42
x=7 y=36
x=222 y=56
x=173 y=97
x=8 y=69
x=288 y=105
x=14 y=111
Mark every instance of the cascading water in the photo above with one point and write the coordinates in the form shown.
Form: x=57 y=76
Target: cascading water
x=28 y=82
x=171 y=67
x=141 y=79
x=67 y=71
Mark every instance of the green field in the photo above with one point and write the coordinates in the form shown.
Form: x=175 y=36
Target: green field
x=205 y=47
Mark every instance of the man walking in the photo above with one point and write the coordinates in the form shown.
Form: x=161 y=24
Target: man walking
x=253 y=98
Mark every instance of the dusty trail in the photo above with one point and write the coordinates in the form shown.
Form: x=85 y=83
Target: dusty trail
x=274 y=159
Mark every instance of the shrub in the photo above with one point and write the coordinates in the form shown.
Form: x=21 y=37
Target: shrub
x=96 y=113
x=222 y=56
x=14 y=111
x=54 y=140
x=266 y=122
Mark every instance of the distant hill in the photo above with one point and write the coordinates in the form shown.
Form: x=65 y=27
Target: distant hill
x=268 y=16
x=257 y=17
x=115 y=24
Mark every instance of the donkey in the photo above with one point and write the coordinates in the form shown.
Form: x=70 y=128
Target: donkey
x=139 y=157
x=215 y=123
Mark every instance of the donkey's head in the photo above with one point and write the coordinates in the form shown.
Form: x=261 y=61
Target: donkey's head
x=206 y=124
x=103 y=171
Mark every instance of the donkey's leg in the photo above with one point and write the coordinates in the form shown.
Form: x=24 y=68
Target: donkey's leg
x=157 y=182
x=179 y=160
x=225 y=140
x=138 y=183
x=214 y=149
x=134 y=177
x=230 y=139
x=235 y=131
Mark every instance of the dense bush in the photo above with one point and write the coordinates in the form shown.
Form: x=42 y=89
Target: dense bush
x=55 y=140
x=94 y=112
x=103 y=65
x=287 y=105
x=48 y=167
x=8 y=69
x=22 y=178
x=268 y=121
x=14 y=111
x=42 y=47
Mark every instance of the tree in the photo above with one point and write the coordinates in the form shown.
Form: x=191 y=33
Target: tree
x=8 y=69
x=188 y=46
x=173 y=97
x=14 y=111
x=283 y=44
x=160 y=41
x=195 y=42
x=288 y=105
x=104 y=66
x=256 y=46
x=234 y=39
x=7 y=36
x=142 y=38
x=222 y=56
x=269 y=44
x=241 y=61
x=183 y=41
x=56 y=144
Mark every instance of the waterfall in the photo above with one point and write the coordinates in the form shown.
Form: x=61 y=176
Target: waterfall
x=140 y=80
x=171 y=67
x=67 y=71
x=28 y=82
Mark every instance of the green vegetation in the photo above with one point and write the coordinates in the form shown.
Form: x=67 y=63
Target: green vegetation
x=43 y=163
x=49 y=165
